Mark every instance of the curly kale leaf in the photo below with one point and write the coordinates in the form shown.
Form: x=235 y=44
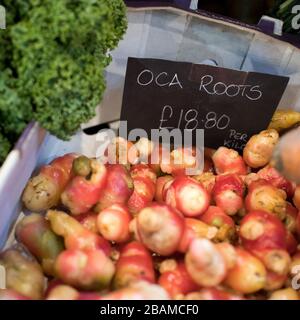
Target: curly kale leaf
x=15 y=108
x=4 y=147
x=52 y=58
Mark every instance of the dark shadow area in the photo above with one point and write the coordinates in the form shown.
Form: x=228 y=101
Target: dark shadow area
x=248 y=11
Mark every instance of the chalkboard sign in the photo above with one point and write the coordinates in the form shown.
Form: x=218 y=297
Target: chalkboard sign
x=229 y=105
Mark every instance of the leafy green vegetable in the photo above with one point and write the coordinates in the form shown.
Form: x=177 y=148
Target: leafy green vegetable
x=52 y=58
x=4 y=147
x=15 y=109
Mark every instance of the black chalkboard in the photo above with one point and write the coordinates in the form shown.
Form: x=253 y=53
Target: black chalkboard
x=229 y=105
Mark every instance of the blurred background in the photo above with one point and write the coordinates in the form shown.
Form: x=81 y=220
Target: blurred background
x=250 y=11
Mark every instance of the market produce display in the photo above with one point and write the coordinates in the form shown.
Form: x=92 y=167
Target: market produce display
x=52 y=60
x=133 y=230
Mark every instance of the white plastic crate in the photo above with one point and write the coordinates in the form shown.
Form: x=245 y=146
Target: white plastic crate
x=165 y=33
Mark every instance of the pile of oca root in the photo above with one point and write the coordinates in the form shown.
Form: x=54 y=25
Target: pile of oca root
x=132 y=230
